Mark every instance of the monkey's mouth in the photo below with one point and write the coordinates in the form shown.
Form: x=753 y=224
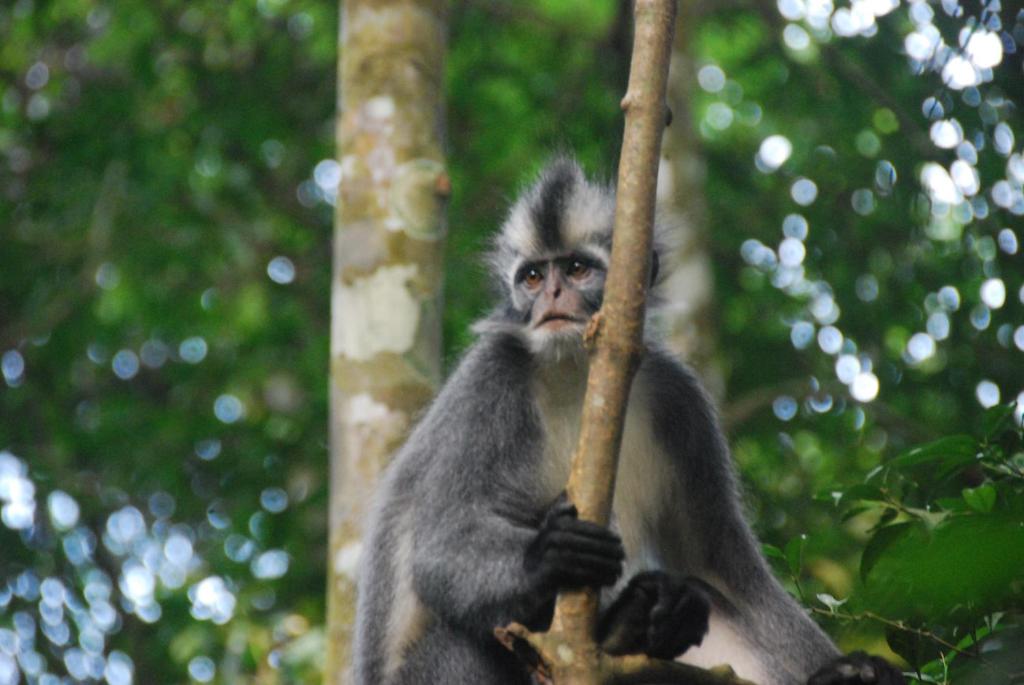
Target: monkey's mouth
x=557 y=320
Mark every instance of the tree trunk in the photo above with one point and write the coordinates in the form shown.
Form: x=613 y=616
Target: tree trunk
x=388 y=250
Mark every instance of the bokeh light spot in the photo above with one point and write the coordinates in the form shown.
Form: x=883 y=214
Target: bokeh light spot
x=281 y=270
x=863 y=201
x=1008 y=241
x=773 y=153
x=274 y=500
x=37 y=76
x=784 y=407
x=796 y=37
x=960 y=73
x=987 y=393
x=228 y=408
x=192 y=350
x=864 y=387
x=212 y=600
x=208 y=449
x=993 y=293
x=885 y=177
x=795 y=226
x=866 y=288
x=791 y=252
x=711 y=78
x=920 y=347
x=984 y=49
x=946 y=133
x=238 y=548
x=847 y=368
x=938 y=325
x=1003 y=139
x=154 y=353
x=125 y=364
x=202 y=669
x=270 y=565
x=12 y=365
x=830 y=340
x=720 y=115
x=64 y=511
x=803 y=191
x=801 y=334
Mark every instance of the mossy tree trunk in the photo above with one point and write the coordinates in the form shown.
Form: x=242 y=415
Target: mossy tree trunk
x=388 y=250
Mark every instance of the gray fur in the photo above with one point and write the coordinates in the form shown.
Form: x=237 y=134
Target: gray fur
x=463 y=499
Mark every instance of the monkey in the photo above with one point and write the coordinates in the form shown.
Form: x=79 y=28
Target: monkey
x=471 y=529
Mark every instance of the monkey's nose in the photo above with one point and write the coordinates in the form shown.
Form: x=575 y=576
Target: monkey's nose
x=554 y=285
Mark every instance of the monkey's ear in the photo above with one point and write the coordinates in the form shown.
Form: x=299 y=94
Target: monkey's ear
x=654 y=268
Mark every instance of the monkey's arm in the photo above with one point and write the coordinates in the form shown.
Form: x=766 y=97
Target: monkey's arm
x=469 y=570
x=486 y=547
x=488 y=568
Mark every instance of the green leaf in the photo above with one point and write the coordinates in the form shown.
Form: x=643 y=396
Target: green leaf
x=795 y=553
x=967 y=563
x=958 y=449
x=996 y=419
x=882 y=540
x=772 y=551
x=981 y=498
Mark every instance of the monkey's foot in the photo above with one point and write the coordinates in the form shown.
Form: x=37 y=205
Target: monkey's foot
x=658 y=614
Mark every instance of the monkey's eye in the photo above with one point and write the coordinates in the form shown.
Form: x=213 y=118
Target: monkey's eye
x=531 y=276
x=577 y=268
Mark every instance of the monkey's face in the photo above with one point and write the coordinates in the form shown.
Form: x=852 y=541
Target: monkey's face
x=550 y=260
x=558 y=295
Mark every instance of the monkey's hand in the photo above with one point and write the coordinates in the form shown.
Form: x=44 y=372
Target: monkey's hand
x=858 y=668
x=569 y=553
x=658 y=614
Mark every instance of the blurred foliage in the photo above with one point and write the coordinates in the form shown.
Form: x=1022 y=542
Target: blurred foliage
x=164 y=276
x=941 y=568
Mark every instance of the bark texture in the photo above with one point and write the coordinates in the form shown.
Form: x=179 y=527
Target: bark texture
x=388 y=249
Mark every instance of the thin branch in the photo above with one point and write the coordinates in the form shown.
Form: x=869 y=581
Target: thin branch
x=899 y=625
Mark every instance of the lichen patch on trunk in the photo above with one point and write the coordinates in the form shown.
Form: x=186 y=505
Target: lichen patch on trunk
x=386 y=310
